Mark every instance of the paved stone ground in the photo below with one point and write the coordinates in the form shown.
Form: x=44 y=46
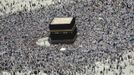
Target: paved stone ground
x=104 y=45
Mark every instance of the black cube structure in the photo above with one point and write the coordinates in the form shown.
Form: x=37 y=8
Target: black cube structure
x=62 y=30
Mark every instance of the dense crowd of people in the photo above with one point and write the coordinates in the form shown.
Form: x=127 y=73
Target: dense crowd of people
x=105 y=33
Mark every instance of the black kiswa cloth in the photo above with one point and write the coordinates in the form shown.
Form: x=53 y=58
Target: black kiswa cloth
x=61 y=26
x=64 y=31
x=65 y=41
x=62 y=36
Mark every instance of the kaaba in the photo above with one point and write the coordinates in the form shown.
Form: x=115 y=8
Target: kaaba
x=62 y=30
